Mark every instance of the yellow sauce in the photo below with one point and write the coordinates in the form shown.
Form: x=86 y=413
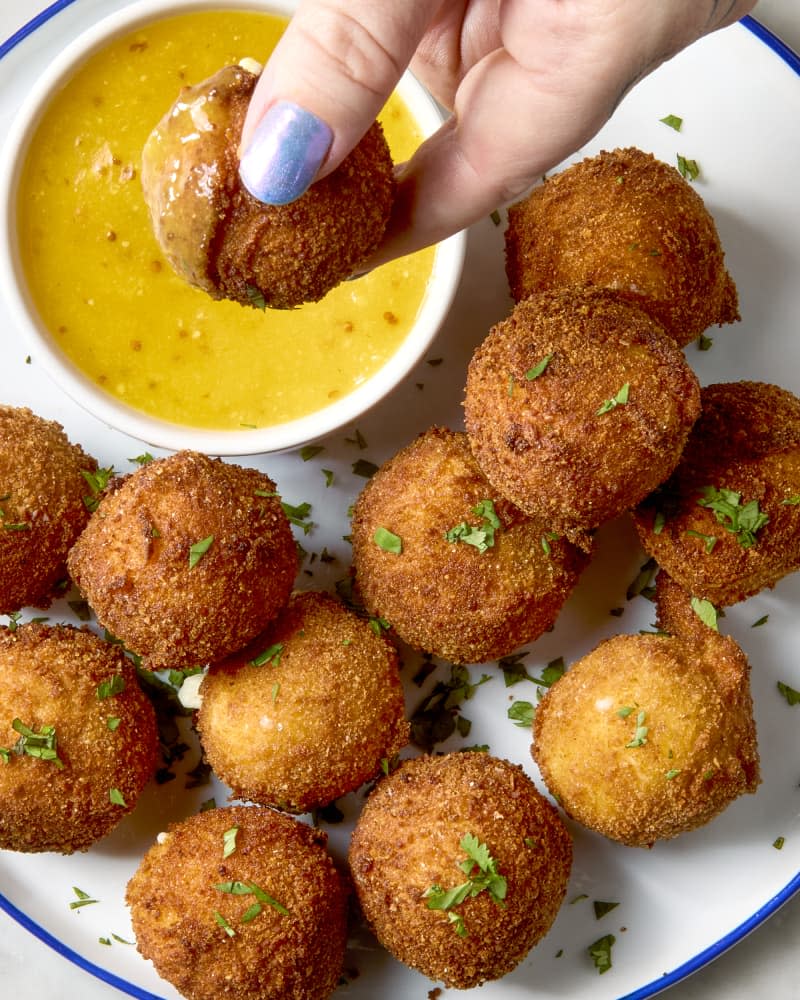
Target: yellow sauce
x=113 y=304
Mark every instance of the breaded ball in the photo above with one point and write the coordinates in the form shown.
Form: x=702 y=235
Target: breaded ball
x=187 y=560
x=464 y=821
x=577 y=406
x=78 y=738
x=455 y=568
x=727 y=522
x=624 y=220
x=220 y=238
x=308 y=711
x=42 y=507
x=651 y=735
x=241 y=902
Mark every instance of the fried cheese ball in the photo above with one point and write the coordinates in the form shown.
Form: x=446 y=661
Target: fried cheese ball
x=78 y=738
x=462 y=573
x=42 y=508
x=221 y=239
x=727 y=522
x=265 y=920
x=649 y=736
x=463 y=819
x=308 y=711
x=577 y=406
x=187 y=559
x=627 y=221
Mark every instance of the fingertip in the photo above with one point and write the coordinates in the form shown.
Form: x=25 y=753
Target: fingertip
x=284 y=153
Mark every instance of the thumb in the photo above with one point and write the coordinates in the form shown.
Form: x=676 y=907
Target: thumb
x=329 y=76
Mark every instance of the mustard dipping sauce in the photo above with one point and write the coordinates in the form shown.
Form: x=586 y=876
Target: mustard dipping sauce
x=113 y=304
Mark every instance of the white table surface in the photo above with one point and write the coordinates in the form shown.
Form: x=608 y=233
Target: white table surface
x=766 y=963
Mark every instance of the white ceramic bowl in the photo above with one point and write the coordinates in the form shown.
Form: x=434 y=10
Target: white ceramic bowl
x=441 y=288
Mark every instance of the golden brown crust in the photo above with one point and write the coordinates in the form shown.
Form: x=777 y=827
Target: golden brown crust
x=626 y=221
x=133 y=565
x=222 y=239
x=649 y=736
x=315 y=719
x=273 y=956
x=449 y=598
x=42 y=509
x=544 y=442
x=747 y=440
x=51 y=676
x=408 y=839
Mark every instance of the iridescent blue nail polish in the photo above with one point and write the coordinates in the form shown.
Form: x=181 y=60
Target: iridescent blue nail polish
x=284 y=154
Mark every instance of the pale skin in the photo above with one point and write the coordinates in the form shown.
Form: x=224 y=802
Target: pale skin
x=528 y=81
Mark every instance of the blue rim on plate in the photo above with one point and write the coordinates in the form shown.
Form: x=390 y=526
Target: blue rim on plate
x=727 y=941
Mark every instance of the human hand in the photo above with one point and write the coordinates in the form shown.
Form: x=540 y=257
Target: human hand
x=528 y=82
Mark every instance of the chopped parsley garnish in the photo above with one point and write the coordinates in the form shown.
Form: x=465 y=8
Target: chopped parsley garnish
x=673 y=121
x=705 y=611
x=709 y=541
x=689 y=169
x=364 y=468
x=761 y=621
x=778 y=843
x=256 y=297
x=791 y=501
x=223 y=923
x=388 y=541
x=481 y=537
x=272 y=654
x=704 y=342
x=83 y=899
x=620 y=399
x=97 y=483
x=310 y=450
x=144 y=459
x=642 y=584
x=116 y=797
x=482 y=876
x=742 y=520
x=199 y=549
x=547 y=537
x=601 y=907
x=297 y=515
x=600 y=952
x=789 y=693
x=112 y=723
x=521 y=714
x=439 y=714
x=229 y=841
x=107 y=689
x=358 y=438
x=640 y=736
x=236 y=888
x=538 y=368
x=32 y=744
x=672 y=773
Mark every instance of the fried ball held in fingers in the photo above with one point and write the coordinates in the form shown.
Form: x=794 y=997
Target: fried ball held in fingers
x=577 y=406
x=241 y=902
x=460 y=866
x=626 y=221
x=727 y=522
x=43 y=509
x=308 y=711
x=78 y=738
x=221 y=239
x=187 y=560
x=456 y=569
x=649 y=736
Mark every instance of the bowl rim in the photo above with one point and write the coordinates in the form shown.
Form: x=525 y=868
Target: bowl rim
x=441 y=290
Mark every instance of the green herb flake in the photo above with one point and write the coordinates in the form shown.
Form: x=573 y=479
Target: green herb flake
x=438 y=716
x=602 y=907
x=199 y=549
x=223 y=923
x=310 y=450
x=704 y=342
x=112 y=723
x=640 y=736
x=388 y=541
x=658 y=522
x=673 y=121
x=237 y=888
x=778 y=843
x=108 y=688
x=760 y=621
x=620 y=399
x=791 y=501
x=494 y=215
x=482 y=876
x=115 y=797
x=256 y=297
x=144 y=459
x=600 y=952
x=689 y=169
x=364 y=468
x=42 y=745
x=742 y=520
x=642 y=583
x=104 y=940
x=297 y=515
x=539 y=368
x=624 y=712
x=705 y=611
x=791 y=695
x=709 y=541
x=97 y=482
x=521 y=714
x=229 y=841
x=673 y=773
x=272 y=654
x=481 y=537
x=82 y=899
x=328 y=474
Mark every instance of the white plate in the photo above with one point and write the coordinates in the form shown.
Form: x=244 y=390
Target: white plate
x=684 y=902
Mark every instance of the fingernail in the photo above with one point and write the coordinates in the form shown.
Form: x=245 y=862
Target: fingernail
x=284 y=154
